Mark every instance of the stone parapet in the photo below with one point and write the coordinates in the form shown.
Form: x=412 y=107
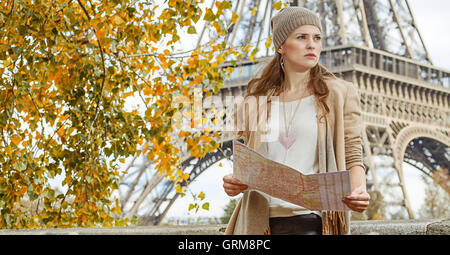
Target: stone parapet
x=389 y=227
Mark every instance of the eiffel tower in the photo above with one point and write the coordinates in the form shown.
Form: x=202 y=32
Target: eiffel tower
x=374 y=44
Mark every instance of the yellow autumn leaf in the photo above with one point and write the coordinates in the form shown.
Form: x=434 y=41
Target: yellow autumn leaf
x=100 y=33
x=254 y=10
x=220 y=59
x=234 y=17
x=183 y=134
x=251 y=57
x=16 y=139
x=277 y=5
x=117 y=20
x=206 y=138
x=117 y=208
x=268 y=42
x=201 y=195
x=122 y=160
x=61 y=132
x=216 y=25
x=23 y=190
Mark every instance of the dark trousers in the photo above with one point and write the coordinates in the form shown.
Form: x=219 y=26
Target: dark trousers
x=308 y=224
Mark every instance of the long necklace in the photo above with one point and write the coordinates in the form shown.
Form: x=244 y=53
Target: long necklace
x=287 y=139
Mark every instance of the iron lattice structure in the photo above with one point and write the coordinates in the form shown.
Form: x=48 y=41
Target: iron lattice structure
x=374 y=44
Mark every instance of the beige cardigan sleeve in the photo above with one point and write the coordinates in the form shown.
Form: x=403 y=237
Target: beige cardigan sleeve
x=353 y=128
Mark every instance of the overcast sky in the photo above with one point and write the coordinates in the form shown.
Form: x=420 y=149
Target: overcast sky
x=433 y=23
x=434 y=26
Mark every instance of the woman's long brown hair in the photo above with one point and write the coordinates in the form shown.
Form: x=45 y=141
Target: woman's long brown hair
x=272 y=77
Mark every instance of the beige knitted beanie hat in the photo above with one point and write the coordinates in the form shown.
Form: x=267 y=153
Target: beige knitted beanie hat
x=288 y=19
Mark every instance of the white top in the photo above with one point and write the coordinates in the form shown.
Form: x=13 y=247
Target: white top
x=302 y=155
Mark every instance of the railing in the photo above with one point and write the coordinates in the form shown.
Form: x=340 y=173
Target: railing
x=347 y=57
x=351 y=56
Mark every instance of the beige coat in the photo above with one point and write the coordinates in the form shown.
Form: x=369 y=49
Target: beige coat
x=339 y=148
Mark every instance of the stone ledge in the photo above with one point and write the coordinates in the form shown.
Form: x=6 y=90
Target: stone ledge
x=401 y=227
x=393 y=227
x=141 y=230
x=439 y=228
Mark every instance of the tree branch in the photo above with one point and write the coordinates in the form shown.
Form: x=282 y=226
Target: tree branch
x=103 y=63
x=41 y=119
x=145 y=82
x=84 y=10
x=56 y=131
x=12 y=7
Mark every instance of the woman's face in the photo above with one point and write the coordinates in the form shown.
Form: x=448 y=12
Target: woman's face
x=301 y=50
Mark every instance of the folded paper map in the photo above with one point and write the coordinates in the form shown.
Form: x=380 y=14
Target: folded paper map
x=322 y=191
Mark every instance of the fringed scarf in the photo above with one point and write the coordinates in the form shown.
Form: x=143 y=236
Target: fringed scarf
x=334 y=223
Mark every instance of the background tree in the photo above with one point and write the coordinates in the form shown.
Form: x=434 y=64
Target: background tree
x=375 y=211
x=228 y=210
x=67 y=70
x=437 y=199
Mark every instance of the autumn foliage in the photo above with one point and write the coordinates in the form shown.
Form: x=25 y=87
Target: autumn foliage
x=67 y=70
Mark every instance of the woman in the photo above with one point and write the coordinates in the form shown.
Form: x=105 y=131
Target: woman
x=318 y=130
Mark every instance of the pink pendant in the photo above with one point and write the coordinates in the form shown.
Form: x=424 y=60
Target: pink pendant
x=287 y=141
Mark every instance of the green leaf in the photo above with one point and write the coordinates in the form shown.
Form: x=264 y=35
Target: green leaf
x=175 y=38
x=206 y=206
x=209 y=15
x=192 y=30
x=135 y=220
x=195 y=18
x=51 y=194
x=225 y=5
x=253 y=53
x=33 y=196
